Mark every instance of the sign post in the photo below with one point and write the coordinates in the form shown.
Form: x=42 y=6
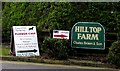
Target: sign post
x=25 y=41
x=88 y=35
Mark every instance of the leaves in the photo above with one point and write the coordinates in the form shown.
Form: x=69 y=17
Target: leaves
x=59 y=15
x=114 y=53
x=58 y=50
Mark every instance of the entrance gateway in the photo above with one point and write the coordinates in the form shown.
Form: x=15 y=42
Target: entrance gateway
x=88 y=35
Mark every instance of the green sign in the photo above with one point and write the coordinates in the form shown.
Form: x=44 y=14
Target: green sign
x=88 y=35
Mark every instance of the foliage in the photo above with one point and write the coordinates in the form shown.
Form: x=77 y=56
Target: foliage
x=59 y=50
x=58 y=15
x=114 y=53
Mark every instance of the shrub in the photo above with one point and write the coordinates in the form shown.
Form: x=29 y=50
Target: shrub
x=114 y=54
x=56 y=48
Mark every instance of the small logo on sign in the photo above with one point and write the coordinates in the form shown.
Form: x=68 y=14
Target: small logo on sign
x=56 y=31
x=31 y=28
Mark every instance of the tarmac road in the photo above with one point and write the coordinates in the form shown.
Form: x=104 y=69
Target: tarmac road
x=25 y=66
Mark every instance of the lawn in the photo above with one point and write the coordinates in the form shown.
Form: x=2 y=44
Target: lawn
x=4 y=51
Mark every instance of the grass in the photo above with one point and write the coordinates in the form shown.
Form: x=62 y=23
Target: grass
x=4 y=51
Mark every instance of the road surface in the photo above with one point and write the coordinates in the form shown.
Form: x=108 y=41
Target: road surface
x=25 y=66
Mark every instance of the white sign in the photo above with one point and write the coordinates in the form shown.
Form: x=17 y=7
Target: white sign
x=60 y=34
x=25 y=41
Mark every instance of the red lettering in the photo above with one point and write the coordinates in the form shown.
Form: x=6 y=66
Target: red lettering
x=20 y=33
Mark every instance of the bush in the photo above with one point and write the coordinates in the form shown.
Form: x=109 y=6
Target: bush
x=56 y=48
x=114 y=54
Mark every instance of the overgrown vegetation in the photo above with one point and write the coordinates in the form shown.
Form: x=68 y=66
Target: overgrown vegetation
x=114 y=53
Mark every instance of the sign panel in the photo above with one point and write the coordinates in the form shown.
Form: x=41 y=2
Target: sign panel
x=60 y=34
x=25 y=41
x=88 y=35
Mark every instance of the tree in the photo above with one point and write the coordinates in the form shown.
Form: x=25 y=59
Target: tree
x=58 y=15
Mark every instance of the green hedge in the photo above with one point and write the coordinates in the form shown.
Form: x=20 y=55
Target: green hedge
x=114 y=54
x=56 y=48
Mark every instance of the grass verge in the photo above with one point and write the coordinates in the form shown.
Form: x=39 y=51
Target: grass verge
x=5 y=56
x=63 y=62
x=4 y=51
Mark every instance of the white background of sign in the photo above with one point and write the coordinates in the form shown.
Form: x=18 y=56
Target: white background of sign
x=25 y=39
x=60 y=34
